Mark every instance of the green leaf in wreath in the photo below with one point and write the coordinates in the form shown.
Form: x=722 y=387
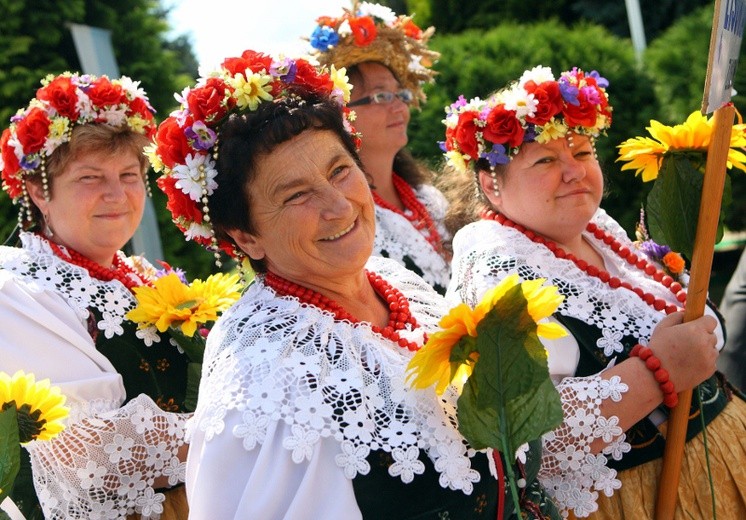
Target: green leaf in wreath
x=10 y=450
x=673 y=202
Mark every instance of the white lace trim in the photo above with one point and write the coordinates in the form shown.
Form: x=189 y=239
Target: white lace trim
x=105 y=466
x=485 y=252
x=274 y=359
x=37 y=267
x=399 y=238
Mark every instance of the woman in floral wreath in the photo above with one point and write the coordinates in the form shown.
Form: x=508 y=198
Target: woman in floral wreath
x=387 y=61
x=303 y=410
x=73 y=161
x=530 y=150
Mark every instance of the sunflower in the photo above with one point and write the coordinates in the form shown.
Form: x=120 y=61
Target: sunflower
x=39 y=406
x=645 y=154
x=171 y=303
x=450 y=354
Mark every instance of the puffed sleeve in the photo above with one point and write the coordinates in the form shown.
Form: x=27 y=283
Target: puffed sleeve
x=232 y=476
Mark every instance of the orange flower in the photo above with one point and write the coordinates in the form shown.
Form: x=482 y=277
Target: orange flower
x=674 y=262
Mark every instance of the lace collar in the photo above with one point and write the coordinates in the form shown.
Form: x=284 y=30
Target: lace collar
x=273 y=359
x=485 y=252
x=397 y=238
x=37 y=267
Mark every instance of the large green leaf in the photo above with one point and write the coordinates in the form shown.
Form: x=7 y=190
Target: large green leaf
x=194 y=373
x=673 y=202
x=10 y=450
x=509 y=395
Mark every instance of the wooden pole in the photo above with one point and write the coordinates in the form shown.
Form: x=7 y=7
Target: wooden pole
x=704 y=247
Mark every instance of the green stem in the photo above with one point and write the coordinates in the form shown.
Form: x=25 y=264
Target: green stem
x=707 y=451
x=509 y=459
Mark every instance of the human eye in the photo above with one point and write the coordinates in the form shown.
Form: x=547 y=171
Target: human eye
x=131 y=176
x=295 y=197
x=340 y=172
x=547 y=159
x=382 y=97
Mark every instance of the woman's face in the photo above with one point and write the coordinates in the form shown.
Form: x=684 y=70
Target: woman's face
x=96 y=203
x=553 y=189
x=312 y=211
x=383 y=125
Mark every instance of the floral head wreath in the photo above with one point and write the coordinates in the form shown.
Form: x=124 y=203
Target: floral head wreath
x=62 y=103
x=373 y=32
x=535 y=108
x=186 y=143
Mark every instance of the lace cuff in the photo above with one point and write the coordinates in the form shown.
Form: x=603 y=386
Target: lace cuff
x=105 y=466
x=570 y=472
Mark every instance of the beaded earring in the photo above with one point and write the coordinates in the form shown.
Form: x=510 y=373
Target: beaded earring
x=495 y=189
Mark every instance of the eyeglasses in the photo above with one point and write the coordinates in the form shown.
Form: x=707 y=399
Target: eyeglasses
x=384 y=98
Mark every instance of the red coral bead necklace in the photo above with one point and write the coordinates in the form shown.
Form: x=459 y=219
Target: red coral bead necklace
x=399 y=314
x=119 y=270
x=416 y=212
x=622 y=251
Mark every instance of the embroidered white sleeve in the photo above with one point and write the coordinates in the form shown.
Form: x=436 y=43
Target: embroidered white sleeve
x=104 y=466
x=570 y=472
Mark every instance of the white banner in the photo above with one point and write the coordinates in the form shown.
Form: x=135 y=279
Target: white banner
x=725 y=46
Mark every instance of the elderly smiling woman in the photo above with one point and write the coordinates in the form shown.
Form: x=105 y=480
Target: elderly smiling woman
x=303 y=410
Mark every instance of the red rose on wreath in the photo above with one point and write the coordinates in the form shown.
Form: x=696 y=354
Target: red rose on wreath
x=465 y=134
x=586 y=111
x=32 y=130
x=208 y=102
x=307 y=75
x=549 y=99
x=254 y=61
x=363 y=30
x=11 y=165
x=179 y=203
x=503 y=127
x=173 y=146
x=61 y=94
x=103 y=93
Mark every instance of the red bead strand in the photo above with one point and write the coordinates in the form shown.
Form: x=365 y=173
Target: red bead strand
x=623 y=252
x=417 y=213
x=399 y=314
x=119 y=270
x=670 y=397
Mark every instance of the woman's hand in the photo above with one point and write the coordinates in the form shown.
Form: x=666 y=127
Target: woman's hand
x=686 y=350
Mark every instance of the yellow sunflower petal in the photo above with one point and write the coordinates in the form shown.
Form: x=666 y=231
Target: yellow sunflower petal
x=40 y=396
x=550 y=330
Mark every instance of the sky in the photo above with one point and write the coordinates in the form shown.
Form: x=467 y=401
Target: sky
x=222 y=28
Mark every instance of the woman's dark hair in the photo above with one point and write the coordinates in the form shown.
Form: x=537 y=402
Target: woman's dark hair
x=245 y=138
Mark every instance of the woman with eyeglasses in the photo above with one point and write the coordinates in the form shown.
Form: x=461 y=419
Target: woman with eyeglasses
x=387 y=62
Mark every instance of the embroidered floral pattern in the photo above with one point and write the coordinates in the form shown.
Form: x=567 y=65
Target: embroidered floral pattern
x=329 y=379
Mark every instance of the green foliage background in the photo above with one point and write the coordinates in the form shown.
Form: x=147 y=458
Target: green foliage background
x=484 y=44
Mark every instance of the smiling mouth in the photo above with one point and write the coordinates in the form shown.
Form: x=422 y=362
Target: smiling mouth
x=340 y=234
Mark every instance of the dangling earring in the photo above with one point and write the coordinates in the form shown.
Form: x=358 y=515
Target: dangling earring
x=47 y=228
x=495 y=189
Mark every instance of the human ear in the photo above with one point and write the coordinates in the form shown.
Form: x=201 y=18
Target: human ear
x=248 y=243
x=36 y=193
x=489 y=185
